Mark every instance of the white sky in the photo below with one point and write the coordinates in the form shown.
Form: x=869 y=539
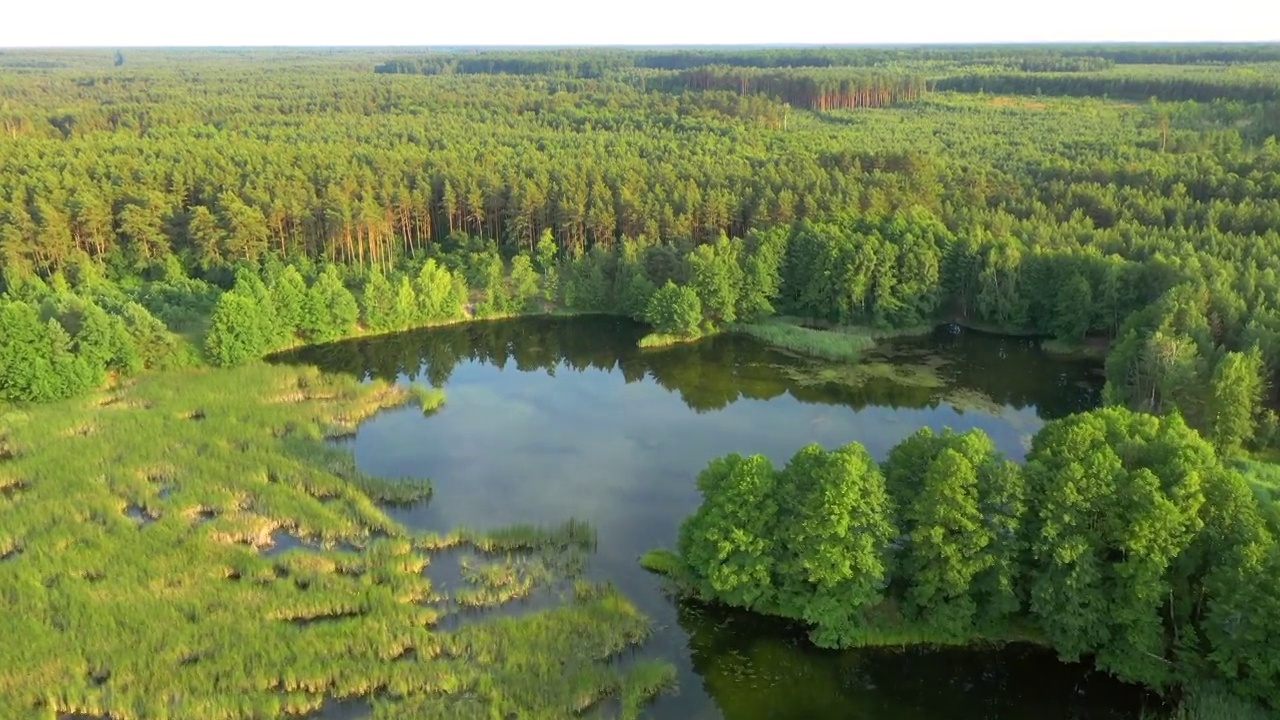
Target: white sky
x=128 y=23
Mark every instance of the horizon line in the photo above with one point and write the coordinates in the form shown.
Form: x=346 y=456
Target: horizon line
x=645 y=46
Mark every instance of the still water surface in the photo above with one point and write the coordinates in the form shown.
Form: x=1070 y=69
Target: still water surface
x=548 y=419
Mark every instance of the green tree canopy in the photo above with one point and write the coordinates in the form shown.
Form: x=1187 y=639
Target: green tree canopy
x=674 y=310
x=1114 y=498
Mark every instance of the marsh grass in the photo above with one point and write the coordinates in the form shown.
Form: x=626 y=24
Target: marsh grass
x=183 y=616
x=822 y=344
x=662 y=562
x=970 y=400
x=428 y=398
x=904 y=367
x=11 y=486
x=821 y=340
x=572 y=533
x=511 y=584
x=645 y=681
x=661 y=340
x=9 y=549
x=490 y=584
x=551 y=663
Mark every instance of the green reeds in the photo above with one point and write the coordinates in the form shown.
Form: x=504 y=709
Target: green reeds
x=662 y=562
x=490 y=584
x=661 y=340
x=644 y=682
x=430 y=399
x=572 y=533
x=834 y=343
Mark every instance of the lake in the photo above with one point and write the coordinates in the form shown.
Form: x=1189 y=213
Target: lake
x=552 y=418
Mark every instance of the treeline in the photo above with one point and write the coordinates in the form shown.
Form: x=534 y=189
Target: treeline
x=59 y=341
x=1179 y=53
x=817 y=88
x=276 y=309
x=1253 y=86
x=600 y=64
x=1208 y=353
x=1026 y=58
x=596 y=63
x=905 y=270
x=1123 y=538
x=706 y=377
x=570 y=64
x=814 y=89
x=900 y=271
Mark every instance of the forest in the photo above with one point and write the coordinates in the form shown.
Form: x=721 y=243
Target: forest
x=169 y=211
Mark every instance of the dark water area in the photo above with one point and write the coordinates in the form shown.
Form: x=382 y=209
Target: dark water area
x=551 y=418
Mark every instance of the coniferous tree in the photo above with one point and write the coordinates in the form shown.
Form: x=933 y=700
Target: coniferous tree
x=206 y=237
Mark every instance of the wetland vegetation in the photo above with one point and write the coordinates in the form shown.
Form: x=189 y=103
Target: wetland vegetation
x=173 y=511
x=188 y=614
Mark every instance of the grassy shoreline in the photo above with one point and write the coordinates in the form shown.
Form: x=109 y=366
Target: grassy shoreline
x=661 y=340
x=836 y=343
